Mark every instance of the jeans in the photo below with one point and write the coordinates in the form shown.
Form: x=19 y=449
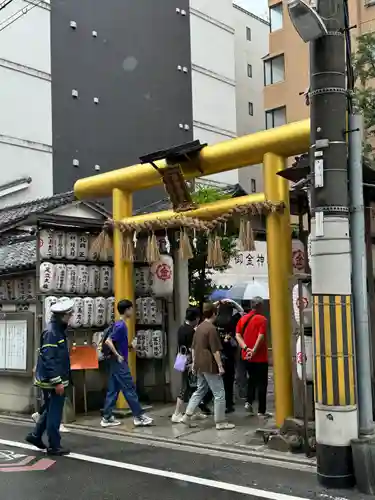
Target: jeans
x=214 y=382
x=120 y=380
x=228 y=379
x=50 y=419
x=257 y=383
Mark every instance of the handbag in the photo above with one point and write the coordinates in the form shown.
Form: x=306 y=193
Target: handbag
x=181 y=360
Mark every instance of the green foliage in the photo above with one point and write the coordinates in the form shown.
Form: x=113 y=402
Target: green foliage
x=200 y=277
x=364 y=91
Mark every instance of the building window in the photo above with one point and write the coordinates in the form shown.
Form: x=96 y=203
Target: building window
x=248 y=34
x=276 y=17
x=249 y=71
x=253 y=185
x=275 y=117
x=274 y=70
x=251 y=109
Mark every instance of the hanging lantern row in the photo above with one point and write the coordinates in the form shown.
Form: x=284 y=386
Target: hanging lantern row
x=189 y=227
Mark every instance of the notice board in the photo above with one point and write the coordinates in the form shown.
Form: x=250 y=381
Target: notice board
x=16 y=343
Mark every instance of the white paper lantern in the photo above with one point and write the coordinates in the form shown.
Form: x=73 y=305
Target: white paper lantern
x=82 y=279
x=105 y=283
x=48 y=302
x=157 y=341
x=76 y=319
x=60 y=277
x=92 y=255
x=71 y=279
x=88 y=311
x=100 y=311
x=94 y=279
x=144 y=344
x=110 y=310
x=138 y=310
x=30 y=287
x=162 y=277
x=309 y=251
x=159 y=312
x=72 y=246
x=58 y=245
x=308 y=358
x=151 y=310
x=46 y=277
x=45 y=244
x=306 y=301
x=83 y=246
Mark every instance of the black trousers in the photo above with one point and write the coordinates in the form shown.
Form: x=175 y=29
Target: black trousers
x=257 y=384
x=228 y=379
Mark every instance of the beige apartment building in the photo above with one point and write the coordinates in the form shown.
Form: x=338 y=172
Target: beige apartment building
x=286 y=67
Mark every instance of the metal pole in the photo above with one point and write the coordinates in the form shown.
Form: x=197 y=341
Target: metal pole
x=335 y=386
x=359 y=276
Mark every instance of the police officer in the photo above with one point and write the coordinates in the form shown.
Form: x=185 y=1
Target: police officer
x=52 y=375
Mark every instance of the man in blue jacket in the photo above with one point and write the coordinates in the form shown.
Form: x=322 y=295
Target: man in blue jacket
x=52 y=375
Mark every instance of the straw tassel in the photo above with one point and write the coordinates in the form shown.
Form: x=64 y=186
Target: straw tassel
x=218 y=252
x=241 y=235
x=98 y=244
x=210 y=251
x=185 y=250
x=250 y=243
x=152 y=252
x=127 y=248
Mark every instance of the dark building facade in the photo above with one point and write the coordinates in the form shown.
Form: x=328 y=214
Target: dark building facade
x=116 y=91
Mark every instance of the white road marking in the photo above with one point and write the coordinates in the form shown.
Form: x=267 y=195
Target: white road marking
x=244 y=490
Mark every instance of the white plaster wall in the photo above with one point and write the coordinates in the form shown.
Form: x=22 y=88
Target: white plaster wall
x=25 y=100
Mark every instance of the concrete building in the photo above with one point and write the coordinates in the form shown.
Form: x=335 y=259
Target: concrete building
x=83 y=93
x=251 y=45
x=286 y=68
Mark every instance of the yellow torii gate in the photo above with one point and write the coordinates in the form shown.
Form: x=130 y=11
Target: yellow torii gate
x=270 y=147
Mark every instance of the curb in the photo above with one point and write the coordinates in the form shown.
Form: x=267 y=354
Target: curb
x=239 y=450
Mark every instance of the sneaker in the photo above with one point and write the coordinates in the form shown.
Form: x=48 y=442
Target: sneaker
x=249 y=408
x=224 y=426
x=63 y=428
x=35 y=416
x=58 y=452
x=35 y=441
x=199 y=416
x=143 y=421
x=110 y=422
x=186 y=420
x=265 y=415
x=176 y=418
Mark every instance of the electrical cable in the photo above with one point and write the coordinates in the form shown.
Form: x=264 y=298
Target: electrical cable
x=349 y=67
x=5 y=4
x=17 y=15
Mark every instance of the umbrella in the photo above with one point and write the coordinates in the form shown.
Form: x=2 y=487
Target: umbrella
x=247 y=291
x=219 y=294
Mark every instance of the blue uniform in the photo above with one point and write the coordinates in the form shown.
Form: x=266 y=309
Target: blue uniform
x=53 y=368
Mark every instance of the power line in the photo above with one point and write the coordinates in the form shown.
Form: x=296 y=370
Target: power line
x=17 y=15
x=5 y=4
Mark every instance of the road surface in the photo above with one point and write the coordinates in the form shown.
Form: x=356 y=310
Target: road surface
x=108 y=469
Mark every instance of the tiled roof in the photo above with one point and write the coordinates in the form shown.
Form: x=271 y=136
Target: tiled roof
x=10 y=216
x=17 y=256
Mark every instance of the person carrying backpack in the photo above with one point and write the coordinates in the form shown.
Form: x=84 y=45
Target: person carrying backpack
x=115 y=349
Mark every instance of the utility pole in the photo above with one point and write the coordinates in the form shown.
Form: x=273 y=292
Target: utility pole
x=359 y=276
x=335 y=375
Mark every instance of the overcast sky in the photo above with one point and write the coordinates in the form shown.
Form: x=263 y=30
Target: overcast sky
x=258 y=7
